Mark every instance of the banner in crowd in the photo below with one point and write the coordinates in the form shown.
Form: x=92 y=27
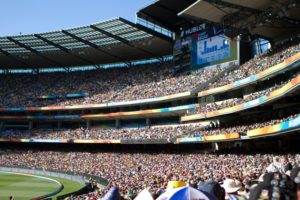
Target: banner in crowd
x=283 y=126
x=253 y=78
x=145 y=141
x=250 y=104
x=67 y=96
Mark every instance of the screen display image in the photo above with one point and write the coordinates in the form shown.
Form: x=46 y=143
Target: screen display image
x=213 y=49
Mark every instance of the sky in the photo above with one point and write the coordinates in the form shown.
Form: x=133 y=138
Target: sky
x=37 y=16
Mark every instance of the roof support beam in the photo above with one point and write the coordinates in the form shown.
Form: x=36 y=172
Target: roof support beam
x=35 y=71
x=94 y=46
x=64 y=49
x=171 y=11
x=231 y=5
x=228 y=28
x=6 y=71
x=34 y=51
x=147 y=30
x=124 y=41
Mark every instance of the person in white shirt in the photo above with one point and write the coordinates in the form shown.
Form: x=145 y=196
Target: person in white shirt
x=275 y=166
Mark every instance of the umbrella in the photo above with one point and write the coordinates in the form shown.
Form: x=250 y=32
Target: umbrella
x=144 y=195
x=185 y=193
x=112 y=194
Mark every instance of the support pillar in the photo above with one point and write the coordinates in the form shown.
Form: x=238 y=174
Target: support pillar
x=88 y=124
x=118 y=123
x=59 y=125
x=30 y=125
x=148 y=121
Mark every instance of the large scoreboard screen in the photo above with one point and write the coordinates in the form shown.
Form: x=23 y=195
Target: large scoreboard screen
x=208 y=46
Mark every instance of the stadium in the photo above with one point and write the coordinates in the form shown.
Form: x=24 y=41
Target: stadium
x=196 y=99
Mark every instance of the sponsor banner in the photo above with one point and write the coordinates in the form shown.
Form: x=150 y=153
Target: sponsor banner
x=97 y=116
x=253 y=78
x=283 y=126
x=77 y=95
x=104 y=105
x=49 y=97
x=256 y=102
x=140 y=112
x=46 y=141
x=53 y=97
x=145 y=141
x=62 y=141
x=188 y=140
x=150 y=100
x=41 y=117
x=32 y=140
x=95 y=141
x=229 y=136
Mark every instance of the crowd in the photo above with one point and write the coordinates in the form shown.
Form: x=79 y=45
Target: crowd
x=275 y=55
x=131 y=173
x=107 y=85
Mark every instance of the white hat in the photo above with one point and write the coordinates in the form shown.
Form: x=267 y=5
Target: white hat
x=231 y=186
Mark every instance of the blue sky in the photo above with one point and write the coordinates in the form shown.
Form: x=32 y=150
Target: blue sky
x=35 y=16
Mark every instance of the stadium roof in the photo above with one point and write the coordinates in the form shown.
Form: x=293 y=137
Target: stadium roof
x=164 y=13
x=269 y=18
x=112 y=41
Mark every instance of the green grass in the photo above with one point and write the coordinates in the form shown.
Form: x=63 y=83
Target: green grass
x=24 y=187
x=69 y=186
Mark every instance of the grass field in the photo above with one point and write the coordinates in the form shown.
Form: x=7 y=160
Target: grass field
x=26 y=187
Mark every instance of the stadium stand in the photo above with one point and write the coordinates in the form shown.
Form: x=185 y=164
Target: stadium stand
x=131 y=124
